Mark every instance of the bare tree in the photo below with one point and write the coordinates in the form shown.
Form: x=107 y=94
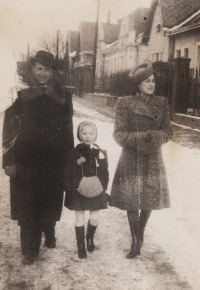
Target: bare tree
x=54 y=44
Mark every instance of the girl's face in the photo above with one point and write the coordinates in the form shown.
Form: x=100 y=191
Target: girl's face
x=88 y=134
x=147 y=86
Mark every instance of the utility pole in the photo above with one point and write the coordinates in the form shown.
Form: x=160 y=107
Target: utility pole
x=95 y=48
x=57 y=52
x=28 y=61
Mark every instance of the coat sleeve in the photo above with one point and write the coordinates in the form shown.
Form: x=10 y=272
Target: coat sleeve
x=122 y=131
x=165 y=132
x=103 y=163
x=156 y=138
x=11 y=127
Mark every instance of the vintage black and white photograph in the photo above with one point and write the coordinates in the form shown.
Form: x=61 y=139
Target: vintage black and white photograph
x=100 y=144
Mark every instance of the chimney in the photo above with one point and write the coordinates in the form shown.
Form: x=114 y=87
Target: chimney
x=108 y=19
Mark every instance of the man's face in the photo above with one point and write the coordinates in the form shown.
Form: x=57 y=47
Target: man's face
x=42 y=73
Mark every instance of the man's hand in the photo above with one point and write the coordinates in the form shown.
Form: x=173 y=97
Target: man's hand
x=10 y=171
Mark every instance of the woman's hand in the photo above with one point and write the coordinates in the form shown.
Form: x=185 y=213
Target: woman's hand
x=10 y=171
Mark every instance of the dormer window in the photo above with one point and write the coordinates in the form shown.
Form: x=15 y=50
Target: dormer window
x=158 y=28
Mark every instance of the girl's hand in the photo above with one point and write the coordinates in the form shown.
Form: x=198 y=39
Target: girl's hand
x=81 y=160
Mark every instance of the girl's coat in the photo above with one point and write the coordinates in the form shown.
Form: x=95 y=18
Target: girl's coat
x=95 y=159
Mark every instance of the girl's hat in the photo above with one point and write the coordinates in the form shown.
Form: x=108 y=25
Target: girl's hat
x=141 y=72
x=86 y=123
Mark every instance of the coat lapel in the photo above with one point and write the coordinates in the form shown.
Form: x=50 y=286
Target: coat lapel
x=140 y=108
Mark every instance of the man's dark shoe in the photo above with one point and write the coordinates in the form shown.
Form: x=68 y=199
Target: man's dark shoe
x=27 y=260
x=51 y=244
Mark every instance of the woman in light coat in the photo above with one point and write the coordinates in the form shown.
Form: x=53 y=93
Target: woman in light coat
x=142 y=126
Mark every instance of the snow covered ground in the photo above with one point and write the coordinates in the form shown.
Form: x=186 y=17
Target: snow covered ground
x=170 y=256
x=175 y=230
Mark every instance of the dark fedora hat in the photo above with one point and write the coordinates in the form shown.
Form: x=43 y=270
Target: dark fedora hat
x=141 y=72
x=44 y=57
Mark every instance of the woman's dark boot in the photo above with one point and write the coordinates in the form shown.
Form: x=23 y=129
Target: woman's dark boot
x=80 y=237
x=133 y=223
x=132 y=253
x=89 y=236
x=144 y=216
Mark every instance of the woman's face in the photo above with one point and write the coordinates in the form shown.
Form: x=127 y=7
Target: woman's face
x=147 y=86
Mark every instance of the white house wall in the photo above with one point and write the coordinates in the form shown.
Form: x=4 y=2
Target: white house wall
x=125 y=59
x=190 y=40
x=158 y=43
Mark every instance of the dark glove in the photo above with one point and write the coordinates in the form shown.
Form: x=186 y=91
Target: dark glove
x=10 y=171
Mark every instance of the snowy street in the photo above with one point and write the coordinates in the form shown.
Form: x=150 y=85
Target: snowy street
x=170 y=256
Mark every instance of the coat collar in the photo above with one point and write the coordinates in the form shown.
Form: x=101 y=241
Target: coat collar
x=53 y=90
x=148 y=109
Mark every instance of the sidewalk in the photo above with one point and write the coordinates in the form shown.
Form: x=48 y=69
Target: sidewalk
x=182 y=134
x=103 y=109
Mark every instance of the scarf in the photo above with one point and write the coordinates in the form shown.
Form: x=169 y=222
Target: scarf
x=86 y=150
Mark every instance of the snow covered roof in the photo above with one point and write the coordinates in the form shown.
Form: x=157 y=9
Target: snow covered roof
x=174 y=12
x=87 y=34
x=111 y=32
x=72 y=38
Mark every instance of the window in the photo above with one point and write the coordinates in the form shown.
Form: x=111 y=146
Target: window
x=178 y=53
x=158 y=28
x=186 y=52
x=156 y=56
x=123 y=29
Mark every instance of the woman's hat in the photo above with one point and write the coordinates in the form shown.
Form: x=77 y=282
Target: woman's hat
x=44 y=57
x=141 y=72
x=86 y=123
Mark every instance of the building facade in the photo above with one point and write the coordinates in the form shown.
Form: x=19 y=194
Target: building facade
x=126 y=49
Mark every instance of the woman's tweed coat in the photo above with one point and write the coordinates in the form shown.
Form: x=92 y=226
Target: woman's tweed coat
x=141 y=129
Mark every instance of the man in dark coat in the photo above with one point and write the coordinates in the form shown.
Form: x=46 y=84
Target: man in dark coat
x=42 y=114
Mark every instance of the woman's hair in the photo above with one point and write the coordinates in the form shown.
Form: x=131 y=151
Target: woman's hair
x=135 y=88
x=83 y=124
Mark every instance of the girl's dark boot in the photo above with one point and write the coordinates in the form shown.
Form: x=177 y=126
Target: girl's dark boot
x=144 y=216
x=80 y=237
x=133 y=223
x=90 y=236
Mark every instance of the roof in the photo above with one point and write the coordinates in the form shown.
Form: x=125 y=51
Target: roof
x=137 y=20
x=111 y=32
x=72 y=40
x=174 y=12
x=87 y=35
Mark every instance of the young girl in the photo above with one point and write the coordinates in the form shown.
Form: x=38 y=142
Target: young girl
x=86 y=159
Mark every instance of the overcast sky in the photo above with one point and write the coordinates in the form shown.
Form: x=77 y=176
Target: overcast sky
x=23 y=21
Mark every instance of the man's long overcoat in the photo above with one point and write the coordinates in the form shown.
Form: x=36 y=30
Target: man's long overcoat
x=45 y=135
x=141 y=129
